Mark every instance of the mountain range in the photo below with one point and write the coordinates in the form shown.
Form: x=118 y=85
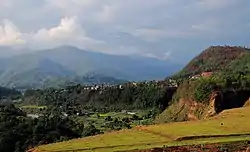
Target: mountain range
x=63 y=64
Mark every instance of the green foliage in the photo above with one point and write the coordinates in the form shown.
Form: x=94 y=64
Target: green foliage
x=135 y=117
x=18 y=132
x=174 y=113
x=142 y=96
x=90 y=131
x=203 y=90
x=117 y=124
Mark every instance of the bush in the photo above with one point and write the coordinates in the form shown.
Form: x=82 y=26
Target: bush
x=203 y=90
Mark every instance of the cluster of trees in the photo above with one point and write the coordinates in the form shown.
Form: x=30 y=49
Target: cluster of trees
x=125 y=123
x=116 y=124
x=201 y=89
x=19 y=133
x=142 y=96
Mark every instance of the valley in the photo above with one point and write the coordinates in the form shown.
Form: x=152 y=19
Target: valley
x=124 y=76
x=204 y=106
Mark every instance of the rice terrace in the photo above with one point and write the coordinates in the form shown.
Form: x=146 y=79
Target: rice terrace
x=212 y=134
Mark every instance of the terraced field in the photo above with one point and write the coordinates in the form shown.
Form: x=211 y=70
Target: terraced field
x=229 y=126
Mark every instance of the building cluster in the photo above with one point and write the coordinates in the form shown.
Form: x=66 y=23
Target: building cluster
x=165 y=83
x=101 y=87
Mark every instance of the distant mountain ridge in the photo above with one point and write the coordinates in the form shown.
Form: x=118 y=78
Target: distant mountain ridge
x=67 y=64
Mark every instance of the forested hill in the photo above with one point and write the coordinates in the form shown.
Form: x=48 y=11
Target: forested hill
x=213 y=59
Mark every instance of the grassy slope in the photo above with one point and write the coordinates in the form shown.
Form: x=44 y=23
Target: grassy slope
x=234 y=122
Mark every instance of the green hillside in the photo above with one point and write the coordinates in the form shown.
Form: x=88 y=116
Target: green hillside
x=222 y=128
x=241 y=65
x=215 y=58
x=230 y=78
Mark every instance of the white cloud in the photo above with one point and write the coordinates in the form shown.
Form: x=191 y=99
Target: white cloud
x=68 y=32
x=65 y=30
x=10 y=34
x=126 y=27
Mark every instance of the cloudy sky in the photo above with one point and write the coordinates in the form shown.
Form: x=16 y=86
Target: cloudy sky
x=165 y=29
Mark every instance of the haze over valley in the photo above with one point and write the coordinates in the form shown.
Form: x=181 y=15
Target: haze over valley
x=127 y=76
x=68 y=64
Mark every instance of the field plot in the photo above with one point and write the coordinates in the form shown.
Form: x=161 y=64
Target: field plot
x=229 y=126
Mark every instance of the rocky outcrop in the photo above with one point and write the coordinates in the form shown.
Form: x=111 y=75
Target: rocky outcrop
x=188 y=110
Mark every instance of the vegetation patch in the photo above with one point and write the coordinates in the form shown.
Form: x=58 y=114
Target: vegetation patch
x=226 y=123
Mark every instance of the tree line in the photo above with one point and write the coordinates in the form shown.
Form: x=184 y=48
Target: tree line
x=19 y=133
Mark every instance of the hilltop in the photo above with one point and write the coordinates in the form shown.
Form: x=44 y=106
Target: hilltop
x=213 y=59
x=215 y=80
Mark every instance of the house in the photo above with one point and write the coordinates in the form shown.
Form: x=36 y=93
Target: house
x=33 y=116
x=131 y=113
x=124 y=111
x=65 y=114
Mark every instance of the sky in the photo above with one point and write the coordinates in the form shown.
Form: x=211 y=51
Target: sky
x=174 y=30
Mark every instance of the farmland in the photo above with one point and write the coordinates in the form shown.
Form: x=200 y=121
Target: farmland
x=229 y=126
